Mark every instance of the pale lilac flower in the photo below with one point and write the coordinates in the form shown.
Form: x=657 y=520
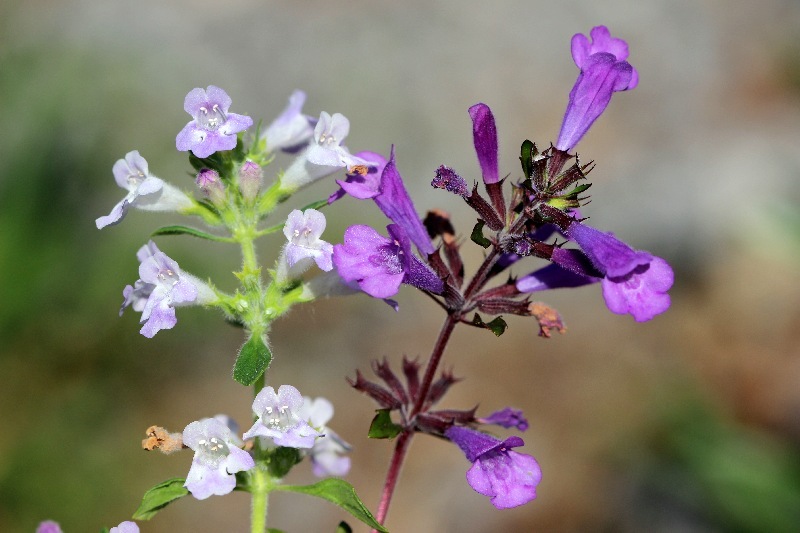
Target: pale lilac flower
x=327 y=454
x=209 y=182
x=303 y=230
x=48 y=526
x=360 y=184
x=604 y=71
x=325 y=154
x=379 y=265
x=125 y=527
x=634 y=281
x=507 y=418
x=279 y=418
x=162 y=286
x=292 y=129
x=145 y=191
x=217 y=457
x=251 y=177
x=508 y=478
x=213 y=128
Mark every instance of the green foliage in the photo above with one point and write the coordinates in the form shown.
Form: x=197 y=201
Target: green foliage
x=382 y=426
x=281 y=460
x=344 y=527
x=477 y=235
x=527 y=151
x=159 y=497
x=253 y=359
x=341 y=493
x=497 y=326
x=186 y=230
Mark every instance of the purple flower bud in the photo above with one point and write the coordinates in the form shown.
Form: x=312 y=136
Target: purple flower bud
x=48 y=526
x=212 y=128
x=279 y=418
x=507 y=477
x=634 y=282
x=507 y=418
x=446 y=178
x=251 y=177
x=484 y=135
x=208 y=181
x=217 y=457
x=604 y=70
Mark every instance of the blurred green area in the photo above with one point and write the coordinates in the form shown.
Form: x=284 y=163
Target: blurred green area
x=716 y=452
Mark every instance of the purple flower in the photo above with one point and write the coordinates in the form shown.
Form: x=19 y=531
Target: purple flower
x=292 y=129
x=217 y=457
x=634 y=282
x=212 y=129
x=327 y=454
x=162 y=286
x=365 y=181
x=125 y=527
x=604 y=70
x=279 y=418
x=507 y=477
x=379 y=265
x=145 y=191
x=396 y=204
x=303 y=230
x=325 y=154
x=48 y=526
x=484 y=136
x=507 y=418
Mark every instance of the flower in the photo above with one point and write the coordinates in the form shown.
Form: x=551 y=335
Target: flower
x=279 y=418
x=145 y=191
x=379 y=265
x=328 y=450
x=292 y=129
x=484 y=136
x=212 y=128
x=365 y=181
x=125 y=527
x=325 y=154
x=303 y=230
x=161 y=287
x=507 y=477
x=48 y=526
x=634 y=281
x=217 y=457
x=507 y=418
x=604 y=70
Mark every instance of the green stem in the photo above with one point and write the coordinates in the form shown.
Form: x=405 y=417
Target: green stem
x=259 y=486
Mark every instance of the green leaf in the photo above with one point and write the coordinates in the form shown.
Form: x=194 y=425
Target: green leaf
x=186 y=230
x=159 y=497
x=477 y=235
x=253 y=359
x=382 y=426
x=282 y=459
x=273 y=530
x=316 y=205
x=527 y=151
x=341 y=493
x=344 y=527
x=497 y=326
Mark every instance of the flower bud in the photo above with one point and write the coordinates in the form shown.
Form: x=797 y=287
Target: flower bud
x=208 y=181
x=251 y=177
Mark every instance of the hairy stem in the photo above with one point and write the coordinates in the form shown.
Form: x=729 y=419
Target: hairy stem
x=259 y=486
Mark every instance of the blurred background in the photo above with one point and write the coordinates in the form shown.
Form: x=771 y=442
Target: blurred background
x=690 y=422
